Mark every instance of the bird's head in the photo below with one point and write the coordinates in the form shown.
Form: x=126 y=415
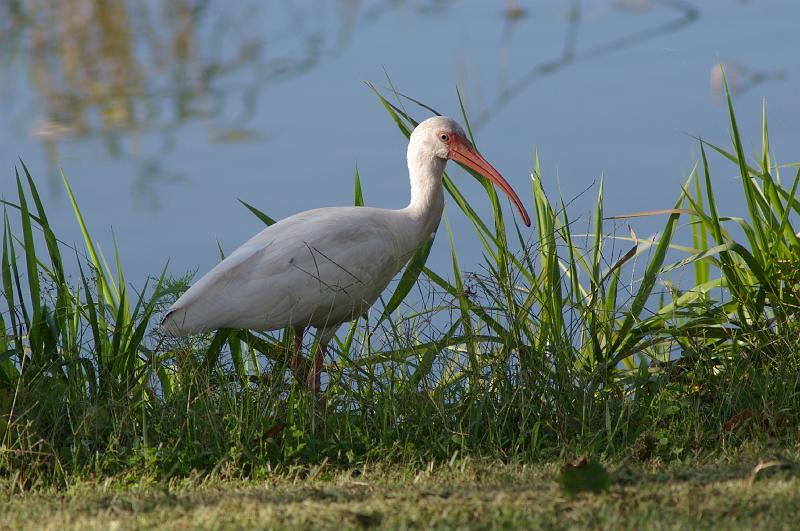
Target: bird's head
x=444 y=138
x=437 y=135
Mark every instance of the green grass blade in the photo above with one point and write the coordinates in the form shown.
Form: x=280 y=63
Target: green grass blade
x=358 y=194
x=95 y=260
x=408 y=279
x=32 y=270
x=652 y=271
x=50 y=238
x=259 y=214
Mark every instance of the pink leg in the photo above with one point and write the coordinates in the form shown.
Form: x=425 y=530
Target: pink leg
x=314 y=377
x=298 y=363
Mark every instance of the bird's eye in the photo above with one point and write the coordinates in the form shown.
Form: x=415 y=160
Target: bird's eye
x=444 y=137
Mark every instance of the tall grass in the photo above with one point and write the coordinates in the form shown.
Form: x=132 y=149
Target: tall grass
x=549 y=350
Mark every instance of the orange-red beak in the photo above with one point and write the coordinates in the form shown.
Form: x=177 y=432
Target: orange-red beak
x=462 y=152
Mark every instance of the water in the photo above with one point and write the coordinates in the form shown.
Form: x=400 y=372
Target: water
x=163 y=114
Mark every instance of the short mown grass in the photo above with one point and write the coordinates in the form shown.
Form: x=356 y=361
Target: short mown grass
x=558 y=348
x=723 y=492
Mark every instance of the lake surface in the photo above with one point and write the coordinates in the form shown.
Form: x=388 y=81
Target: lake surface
x=163 y=114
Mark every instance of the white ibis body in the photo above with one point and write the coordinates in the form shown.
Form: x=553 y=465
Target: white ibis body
x=324 y=267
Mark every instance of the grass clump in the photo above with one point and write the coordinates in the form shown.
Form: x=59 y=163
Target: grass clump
x=549 y=352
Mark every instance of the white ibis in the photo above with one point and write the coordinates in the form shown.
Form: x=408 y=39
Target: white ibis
x=324 y=267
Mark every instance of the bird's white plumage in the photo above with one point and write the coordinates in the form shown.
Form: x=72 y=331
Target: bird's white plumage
x=317 y=268
x=321 y=267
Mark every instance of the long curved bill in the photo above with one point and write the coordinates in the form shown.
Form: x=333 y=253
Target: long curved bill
x=461 y=151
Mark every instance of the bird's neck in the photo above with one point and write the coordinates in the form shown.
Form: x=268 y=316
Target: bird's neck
x=427 y=196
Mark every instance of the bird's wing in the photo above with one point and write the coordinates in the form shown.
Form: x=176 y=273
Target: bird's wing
x=316 y=267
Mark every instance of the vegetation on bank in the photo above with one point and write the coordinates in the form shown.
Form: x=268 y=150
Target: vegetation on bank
x=559 y=348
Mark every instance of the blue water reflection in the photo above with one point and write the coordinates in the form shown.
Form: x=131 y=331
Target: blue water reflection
x=162 y=114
